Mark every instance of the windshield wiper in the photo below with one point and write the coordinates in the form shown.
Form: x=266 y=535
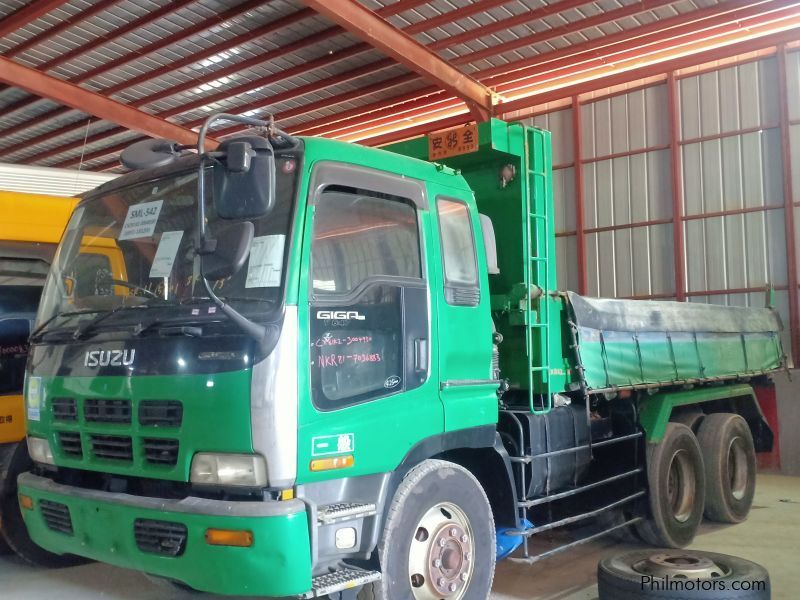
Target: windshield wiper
x=169 y=328
x=39 y=331
x=80 y=332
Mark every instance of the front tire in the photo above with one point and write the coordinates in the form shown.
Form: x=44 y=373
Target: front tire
x=439 y=538
x=676 y=485
x=14 y=532
x=730 y=466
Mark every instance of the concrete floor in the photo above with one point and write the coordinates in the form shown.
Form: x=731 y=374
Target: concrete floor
x=770 y=537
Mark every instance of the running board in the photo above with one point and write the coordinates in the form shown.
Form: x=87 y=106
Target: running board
x=344 y=511
x=529 y=560
x=339 y=581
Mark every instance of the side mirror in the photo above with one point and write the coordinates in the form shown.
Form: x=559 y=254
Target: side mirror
x=231 y=247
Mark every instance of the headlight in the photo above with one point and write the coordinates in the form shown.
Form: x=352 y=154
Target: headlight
x=39 y=449
x=247 y=470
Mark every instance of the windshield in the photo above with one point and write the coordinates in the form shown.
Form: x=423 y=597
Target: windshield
x=134 y=248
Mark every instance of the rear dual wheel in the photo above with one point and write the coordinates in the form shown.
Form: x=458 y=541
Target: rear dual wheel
x=713 y=472
x=730 y=467
x=677 y=488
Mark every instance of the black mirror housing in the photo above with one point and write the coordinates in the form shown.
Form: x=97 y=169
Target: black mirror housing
x=231 y=248
x=239 y=156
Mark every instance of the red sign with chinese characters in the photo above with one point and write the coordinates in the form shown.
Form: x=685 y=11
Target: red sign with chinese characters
x=452 y=142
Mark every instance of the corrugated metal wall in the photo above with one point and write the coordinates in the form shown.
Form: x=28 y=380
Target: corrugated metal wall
x=49 y=181
x=731 y=195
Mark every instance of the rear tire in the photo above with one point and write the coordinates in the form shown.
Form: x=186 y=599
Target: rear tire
x=676 y=485
x=730 y=466
x=14 y=531
x=434 y=500
x=691 y=417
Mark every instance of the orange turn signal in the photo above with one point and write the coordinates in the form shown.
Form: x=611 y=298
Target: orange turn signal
x=26 y=502
x=337 y=462
x=229 y=537
x=287 y=494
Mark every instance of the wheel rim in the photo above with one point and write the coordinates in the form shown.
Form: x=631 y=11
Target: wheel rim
x=681 y=486
x=737 y=468
x=680 y=565
x=441 y=559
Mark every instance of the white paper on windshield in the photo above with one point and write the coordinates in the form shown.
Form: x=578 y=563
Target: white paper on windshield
x=266 y=261
x=141 y=220
x=166 y=253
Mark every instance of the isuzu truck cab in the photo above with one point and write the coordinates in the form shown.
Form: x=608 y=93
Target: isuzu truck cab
x=338 y=371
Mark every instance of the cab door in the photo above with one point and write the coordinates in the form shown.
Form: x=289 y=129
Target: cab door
x=466 y=382
x=371 y=378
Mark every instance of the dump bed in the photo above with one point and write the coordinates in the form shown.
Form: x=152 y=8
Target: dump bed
x=623 y=343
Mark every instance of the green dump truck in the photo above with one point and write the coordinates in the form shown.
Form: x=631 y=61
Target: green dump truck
x=330 y=378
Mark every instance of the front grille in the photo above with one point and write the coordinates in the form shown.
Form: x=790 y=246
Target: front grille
x=56 y=516
x=97 y=410
x=160 y=413
x=114 y=447
x=160 y=451
x=65 y=409
x=160 y=537
x=70 y=443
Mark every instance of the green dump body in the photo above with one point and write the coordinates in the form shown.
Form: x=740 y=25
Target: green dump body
x=625 y=343
x=554 y=342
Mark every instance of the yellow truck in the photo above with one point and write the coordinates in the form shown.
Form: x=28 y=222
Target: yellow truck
x=30 y=229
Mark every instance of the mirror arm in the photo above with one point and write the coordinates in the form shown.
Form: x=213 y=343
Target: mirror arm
x=254 y=330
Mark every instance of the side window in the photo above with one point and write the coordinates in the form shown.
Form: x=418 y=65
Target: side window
x=360 y=234
x=365 y=268
x=461 y=286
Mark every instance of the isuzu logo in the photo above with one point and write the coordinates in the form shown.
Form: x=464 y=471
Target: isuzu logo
x=106 y=358
x=339 y=315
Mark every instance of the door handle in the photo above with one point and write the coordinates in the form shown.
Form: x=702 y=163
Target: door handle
x=420 y=355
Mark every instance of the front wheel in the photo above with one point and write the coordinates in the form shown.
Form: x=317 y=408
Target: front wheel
x=14 y=531
x=439 y=538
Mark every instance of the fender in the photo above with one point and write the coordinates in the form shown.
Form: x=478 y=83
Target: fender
x=656 y=410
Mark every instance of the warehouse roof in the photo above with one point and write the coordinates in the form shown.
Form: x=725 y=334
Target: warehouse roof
x=179 y=60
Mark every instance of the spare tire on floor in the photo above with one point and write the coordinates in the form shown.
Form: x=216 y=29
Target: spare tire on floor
x=680 y=575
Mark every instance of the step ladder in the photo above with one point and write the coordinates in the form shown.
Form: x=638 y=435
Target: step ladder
x=339 y=581
x=344 y=511
x=537 y=272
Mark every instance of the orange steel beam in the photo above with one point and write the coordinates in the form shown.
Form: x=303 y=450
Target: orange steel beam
x=55 y=89
x=544 y=65
x=513 y=108
x=572 y=62
x=450 y=16
x=567 y=56
x=27 y=14
x=596 y=44
x=256 y=60
x=366 y=25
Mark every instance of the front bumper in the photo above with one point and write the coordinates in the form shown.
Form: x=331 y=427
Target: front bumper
x=277 y=564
